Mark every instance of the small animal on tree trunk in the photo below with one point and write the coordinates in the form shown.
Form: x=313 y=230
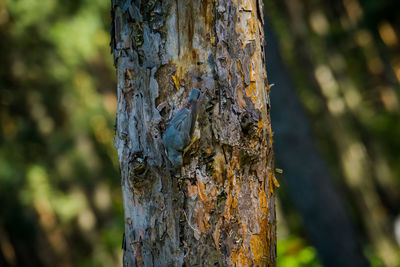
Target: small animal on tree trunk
x=179 y=131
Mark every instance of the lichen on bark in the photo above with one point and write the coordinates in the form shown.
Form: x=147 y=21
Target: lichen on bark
x=218 y=208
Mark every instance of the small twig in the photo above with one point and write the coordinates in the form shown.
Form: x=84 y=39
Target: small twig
x=187 y=219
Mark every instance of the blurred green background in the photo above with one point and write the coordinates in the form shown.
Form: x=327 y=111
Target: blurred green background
x=59 y=179
x=60 y=199
x=343 y=59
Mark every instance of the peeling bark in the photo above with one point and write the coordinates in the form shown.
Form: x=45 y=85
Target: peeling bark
x=218 y=208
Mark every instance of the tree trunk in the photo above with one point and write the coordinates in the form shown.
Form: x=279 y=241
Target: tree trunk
x=308 y=179
x=217 y=207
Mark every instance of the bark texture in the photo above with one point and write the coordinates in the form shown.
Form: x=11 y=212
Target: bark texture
x=218 y=208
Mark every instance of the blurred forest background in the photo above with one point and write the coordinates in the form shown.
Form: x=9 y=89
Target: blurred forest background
x=335 y=113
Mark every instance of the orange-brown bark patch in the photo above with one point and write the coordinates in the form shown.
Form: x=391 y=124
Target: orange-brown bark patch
x=219 y=167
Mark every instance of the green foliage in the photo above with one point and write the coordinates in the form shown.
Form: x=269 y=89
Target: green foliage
x=293 y=252
x=59 y=180
x=343 y=58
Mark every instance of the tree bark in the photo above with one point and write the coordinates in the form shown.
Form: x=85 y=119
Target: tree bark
x=218 y=207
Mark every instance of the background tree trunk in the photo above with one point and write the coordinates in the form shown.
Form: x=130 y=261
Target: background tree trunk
x=344 y=122
x=218 y=208
x=307 y=177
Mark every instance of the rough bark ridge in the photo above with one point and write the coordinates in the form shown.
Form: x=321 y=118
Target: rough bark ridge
x=218 y=208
